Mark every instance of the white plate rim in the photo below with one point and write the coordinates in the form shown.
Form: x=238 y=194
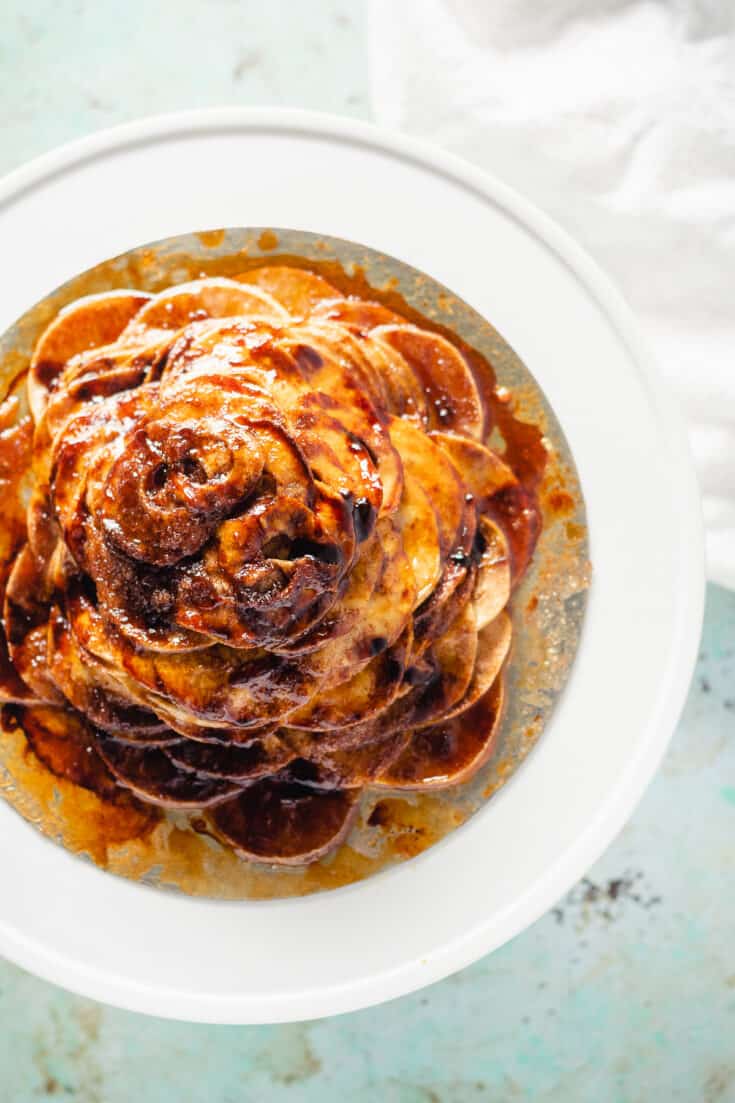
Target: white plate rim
x=44 y=961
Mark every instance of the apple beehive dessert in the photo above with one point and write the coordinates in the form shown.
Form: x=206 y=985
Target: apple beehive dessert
x=267 y=560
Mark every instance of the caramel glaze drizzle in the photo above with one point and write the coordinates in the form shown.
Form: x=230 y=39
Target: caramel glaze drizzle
x=61 y=740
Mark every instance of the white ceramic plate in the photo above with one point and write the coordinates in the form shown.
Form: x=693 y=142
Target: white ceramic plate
x=297 y=959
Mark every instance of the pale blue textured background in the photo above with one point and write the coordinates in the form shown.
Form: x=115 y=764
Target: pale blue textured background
x=626 y=991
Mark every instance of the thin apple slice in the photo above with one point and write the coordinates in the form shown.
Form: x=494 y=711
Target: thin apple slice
x=66 y=746
x=150 y=774
x=428 y=465
x=391 y=600
x=239 y=762
x=515 y=509
x=482 y=471
x=87 y=323
x=405 y=395
x=492 y=588
x=284 y=822
x=442 y=679
x=442 y=371
x=450 y=752
x=361 y=314
x=25 y=621
x=97 y=692
x=493 y=645
x=368 y=692
x=211 y=297
x=298 y=290
x=361 y=765
x=419 y=529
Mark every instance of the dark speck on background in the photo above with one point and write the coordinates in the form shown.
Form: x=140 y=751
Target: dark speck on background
x=604 y=900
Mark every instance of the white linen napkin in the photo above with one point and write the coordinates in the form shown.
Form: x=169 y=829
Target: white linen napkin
x=617 y=117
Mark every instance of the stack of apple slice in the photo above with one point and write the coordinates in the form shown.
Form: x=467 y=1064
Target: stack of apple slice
x=266 y=563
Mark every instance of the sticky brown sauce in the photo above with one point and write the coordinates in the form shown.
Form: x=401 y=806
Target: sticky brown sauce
x=51 y=772
x=267 y=241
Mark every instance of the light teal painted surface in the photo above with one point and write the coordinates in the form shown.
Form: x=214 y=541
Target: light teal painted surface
x=624 y=993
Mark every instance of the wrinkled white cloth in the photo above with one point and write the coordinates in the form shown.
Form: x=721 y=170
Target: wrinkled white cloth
x=617 y=117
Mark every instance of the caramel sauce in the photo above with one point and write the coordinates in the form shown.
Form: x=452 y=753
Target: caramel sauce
x=90 y=813
x=210 y=239
x=54 y=791
x=560 y=503
x=16 y=440
x=267 y=241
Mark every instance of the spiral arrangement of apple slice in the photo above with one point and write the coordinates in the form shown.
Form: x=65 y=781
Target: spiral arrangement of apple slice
x=266 y=562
